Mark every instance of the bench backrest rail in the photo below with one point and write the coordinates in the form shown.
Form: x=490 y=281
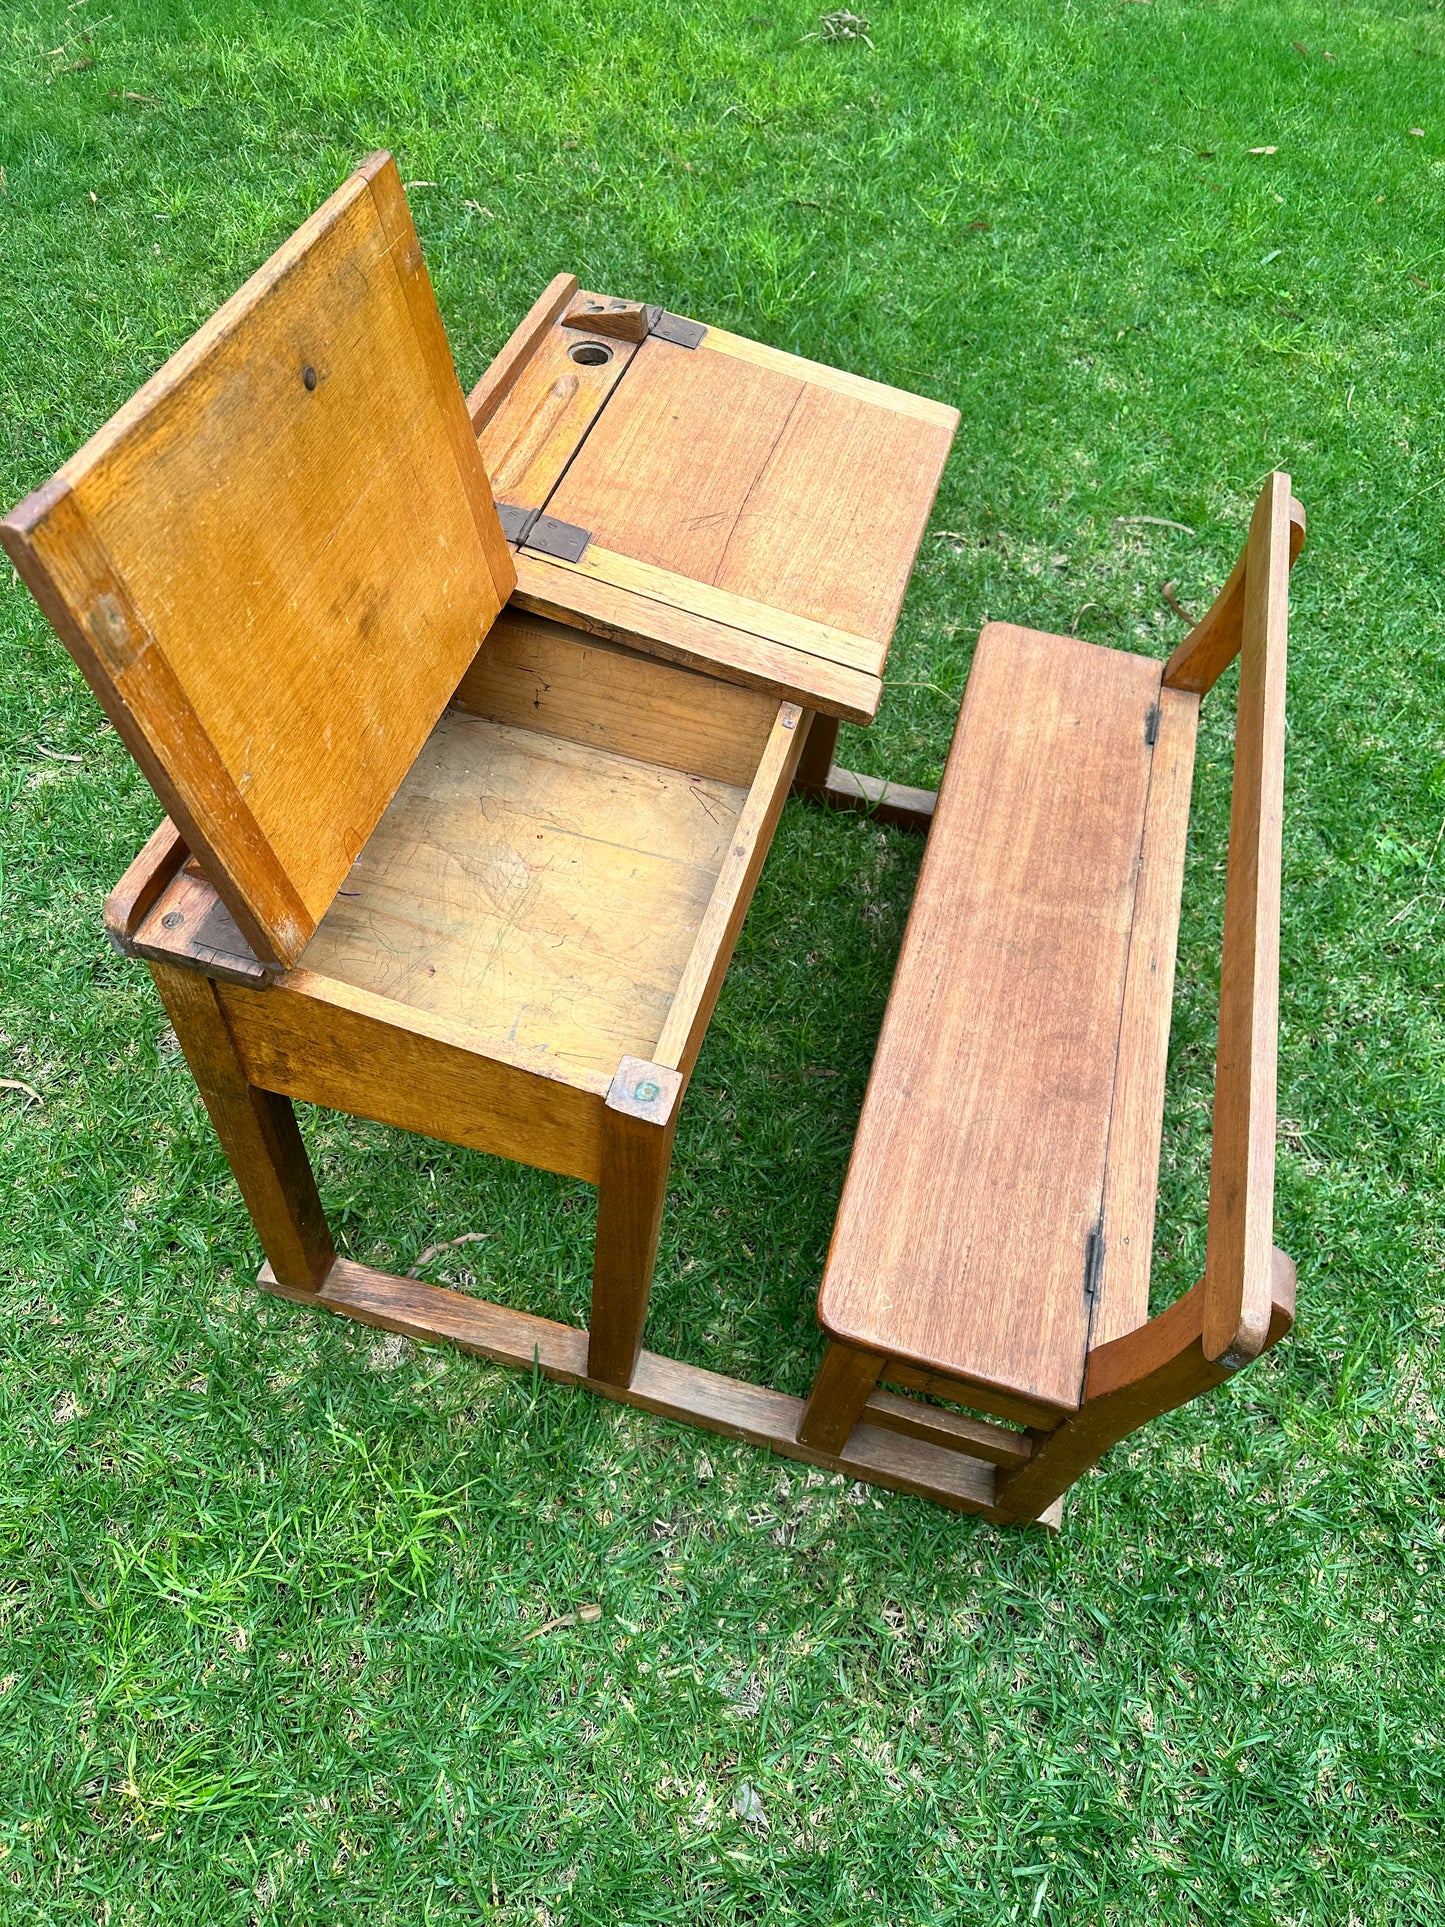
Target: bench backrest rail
x=1244 y=1304
x=1249 y=618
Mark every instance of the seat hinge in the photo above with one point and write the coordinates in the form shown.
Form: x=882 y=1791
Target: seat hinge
x=1151 y=726
x=1094 y=1262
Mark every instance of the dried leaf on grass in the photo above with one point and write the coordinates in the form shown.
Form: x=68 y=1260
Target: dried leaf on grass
x=748 y=1806
x=16 y=1084
x=584 y=1616
x=1154 y=521
x=467 y=1238
x=1183 y=614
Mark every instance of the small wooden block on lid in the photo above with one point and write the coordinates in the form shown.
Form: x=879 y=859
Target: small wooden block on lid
x=602 y=315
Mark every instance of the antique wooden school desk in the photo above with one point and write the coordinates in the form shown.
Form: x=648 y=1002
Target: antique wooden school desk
x=472 y=722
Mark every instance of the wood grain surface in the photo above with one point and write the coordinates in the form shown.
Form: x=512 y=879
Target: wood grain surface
x=659 y=628
x=752 y=477
x=542 y=675
x=258 y=1133
x=545 y=893
x=190 y=928
x=1214 y=641
x=1132 y=1380
x=637 y=1134
x=275 y=562
x=664 y=1386
x=736 y=612
x=1238 y=1268
x=896 y=804
x=977 y=1174
x=499 y=380
x=937 y=415
x=553 y=400
x=135 y=894
x=324 y=1042
x=845 y=1381
x=996 y=1443
x=1131 y=1181
x=702 y=979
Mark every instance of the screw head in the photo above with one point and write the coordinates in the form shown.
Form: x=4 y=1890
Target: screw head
x=646 y=1091
x=308 y=375
x=171 y=919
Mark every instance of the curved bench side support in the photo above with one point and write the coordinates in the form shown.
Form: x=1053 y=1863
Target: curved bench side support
x=1131 y=1380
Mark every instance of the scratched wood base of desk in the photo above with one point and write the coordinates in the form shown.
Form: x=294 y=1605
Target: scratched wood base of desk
x=664 y=1386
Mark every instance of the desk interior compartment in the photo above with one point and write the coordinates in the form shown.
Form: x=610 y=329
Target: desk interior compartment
x=574 y=846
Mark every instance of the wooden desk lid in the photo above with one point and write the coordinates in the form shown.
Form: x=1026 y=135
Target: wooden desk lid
x=708 y=498
x=274 y=564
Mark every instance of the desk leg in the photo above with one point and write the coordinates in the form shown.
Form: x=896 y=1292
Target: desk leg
x=815 y=765
x=637 y=1134
x=258 y=1133
x=820 y=780
x=845 y=1383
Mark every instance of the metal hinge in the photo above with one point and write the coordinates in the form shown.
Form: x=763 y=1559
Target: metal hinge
x=1094 y=1262
x=673 y=327
x=1151 y=726
x=542 y=534
x=516 y=521
x=564 y=540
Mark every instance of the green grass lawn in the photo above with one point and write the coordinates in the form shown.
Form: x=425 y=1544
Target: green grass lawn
x=274 y=1591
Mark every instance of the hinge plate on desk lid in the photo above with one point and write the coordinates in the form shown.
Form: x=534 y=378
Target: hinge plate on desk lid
x=516 y=521
x=564 y=540
x=675 y=328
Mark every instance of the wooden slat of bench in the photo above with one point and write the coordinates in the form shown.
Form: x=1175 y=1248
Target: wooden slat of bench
x=978 y=1170
x=1131 y=1181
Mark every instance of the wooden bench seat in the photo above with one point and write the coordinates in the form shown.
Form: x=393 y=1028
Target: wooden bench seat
x=997 y=1075
x=994 y=1238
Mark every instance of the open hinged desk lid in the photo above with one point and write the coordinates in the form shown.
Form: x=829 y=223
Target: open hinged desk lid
x=275 y=563
x=703 y=496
